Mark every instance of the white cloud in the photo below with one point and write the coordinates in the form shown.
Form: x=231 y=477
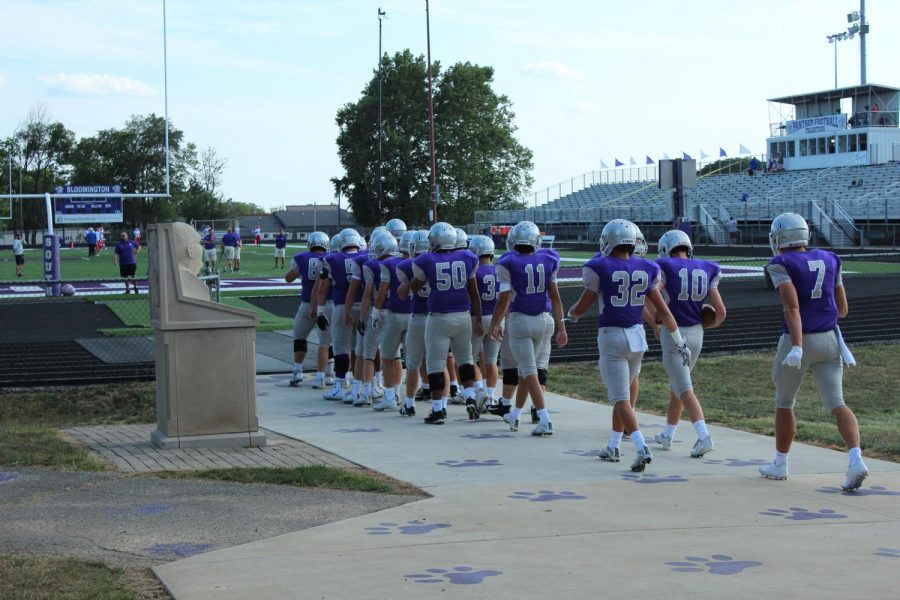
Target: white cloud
x=95 y=85
x=555 y=69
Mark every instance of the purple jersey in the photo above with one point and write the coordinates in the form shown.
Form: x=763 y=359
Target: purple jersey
x=815 y=274
x=308 y=267
x=209 y=240
x=339 y=269
x=125 y=249
x=486 y=280
x=229 y=239
x=280 y=240
x=371 y=271
x=622 y=285
x=418 y=302
x=527 y=276
x=687 y=283
x=447 y=274
x=389 y=273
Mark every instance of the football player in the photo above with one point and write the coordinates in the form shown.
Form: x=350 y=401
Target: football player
x=483 y=345
x=306 y=266
x=527 y=281
x=384 y=246
x=687 y=284
x=393 y=317
x=450 y=275
x=812 y=293
x=336 y=274
x=623 y=282
x=414 y=342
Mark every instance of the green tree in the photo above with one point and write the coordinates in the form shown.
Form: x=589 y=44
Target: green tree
x=480 y=163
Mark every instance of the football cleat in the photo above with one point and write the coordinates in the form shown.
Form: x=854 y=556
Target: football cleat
x=472 y=409
x=296 y=379
x=663 y=440
x=455 y=396
x=408 y=411
x=329 y=380
x=377 y=391
x=384 y=405
x=610 y=454
x=350 y=397
x=499 y=409
x=335 y=393
x=362 y=400
x=856 y=473
x=702 y=447
x=423 y=395
x=513 y=423
x=435 y=418
x=481 y=400
x=534 y=416
x=641 y=460
x=543 y=429
x=318 y=383
x=773 y=471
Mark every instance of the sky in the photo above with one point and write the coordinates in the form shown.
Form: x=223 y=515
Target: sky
x=262 y=81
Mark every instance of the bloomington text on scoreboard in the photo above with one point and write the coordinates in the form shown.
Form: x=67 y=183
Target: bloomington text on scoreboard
x=88 y=209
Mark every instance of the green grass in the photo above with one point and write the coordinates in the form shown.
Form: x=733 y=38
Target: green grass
x=29 y=422
x=737 y=391
x=42 y=578
x=316 y=476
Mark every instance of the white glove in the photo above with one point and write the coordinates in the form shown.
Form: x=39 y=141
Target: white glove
x=794 y=357
x=685 y=353
x=570 y=317
x=374 y=320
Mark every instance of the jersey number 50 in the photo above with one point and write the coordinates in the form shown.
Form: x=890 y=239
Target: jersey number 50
x=450 y=275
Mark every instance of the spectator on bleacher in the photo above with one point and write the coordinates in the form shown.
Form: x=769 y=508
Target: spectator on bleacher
x=754 y=166
x=732 y=230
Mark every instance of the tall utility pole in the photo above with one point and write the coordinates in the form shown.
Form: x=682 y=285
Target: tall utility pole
x=863 y=31
x=434 y=188
x=381 y=13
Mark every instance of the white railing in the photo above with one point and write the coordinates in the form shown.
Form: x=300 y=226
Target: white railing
x=713 y=229
x=844 y=221
x=820 y=220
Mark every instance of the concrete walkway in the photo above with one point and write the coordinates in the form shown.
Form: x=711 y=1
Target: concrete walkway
x=517 y=516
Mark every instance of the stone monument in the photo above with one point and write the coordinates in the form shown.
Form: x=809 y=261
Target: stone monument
x=205 y=351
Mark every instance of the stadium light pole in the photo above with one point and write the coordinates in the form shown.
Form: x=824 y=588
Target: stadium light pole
x=859 y=25
x=165 y=94
x=434 y=188
x=834 y=39
x=381 y=13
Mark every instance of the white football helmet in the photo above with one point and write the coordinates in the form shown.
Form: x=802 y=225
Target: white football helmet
x=642 y=247
x=384 y=244
x=789 y=230
x=405 y=243
x=524 y=233
x=618 y=232
x=397 y=228
x=481 y=245
x=376 y=231
x=351 y=237
x=673 y=239
x=462 y=239
x=420 y=243
x=317 y=239
x=335 y=245
x=442 y=236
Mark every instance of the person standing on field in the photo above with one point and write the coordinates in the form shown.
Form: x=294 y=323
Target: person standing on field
x=125 y=256
x=18 y=248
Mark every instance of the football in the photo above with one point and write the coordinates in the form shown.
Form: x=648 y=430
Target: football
x=709 y=316
x=67 y=289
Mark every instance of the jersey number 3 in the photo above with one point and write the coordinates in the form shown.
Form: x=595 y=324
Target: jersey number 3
x=632 y=288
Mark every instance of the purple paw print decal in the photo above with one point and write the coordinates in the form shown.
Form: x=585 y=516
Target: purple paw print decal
x=471 y=462
x=410 y=528
x=459 y=575
x=721 y=564
x=307 y=415
x=651 y=478
x=875 y=490
x=802 y=514
x=889 y=552
x=7 y=476
x=358 y=430
x=546 y=496
x=591 y=453
x=154 y=508
x=486 y=436
x=736 y=462
x=180 y=549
